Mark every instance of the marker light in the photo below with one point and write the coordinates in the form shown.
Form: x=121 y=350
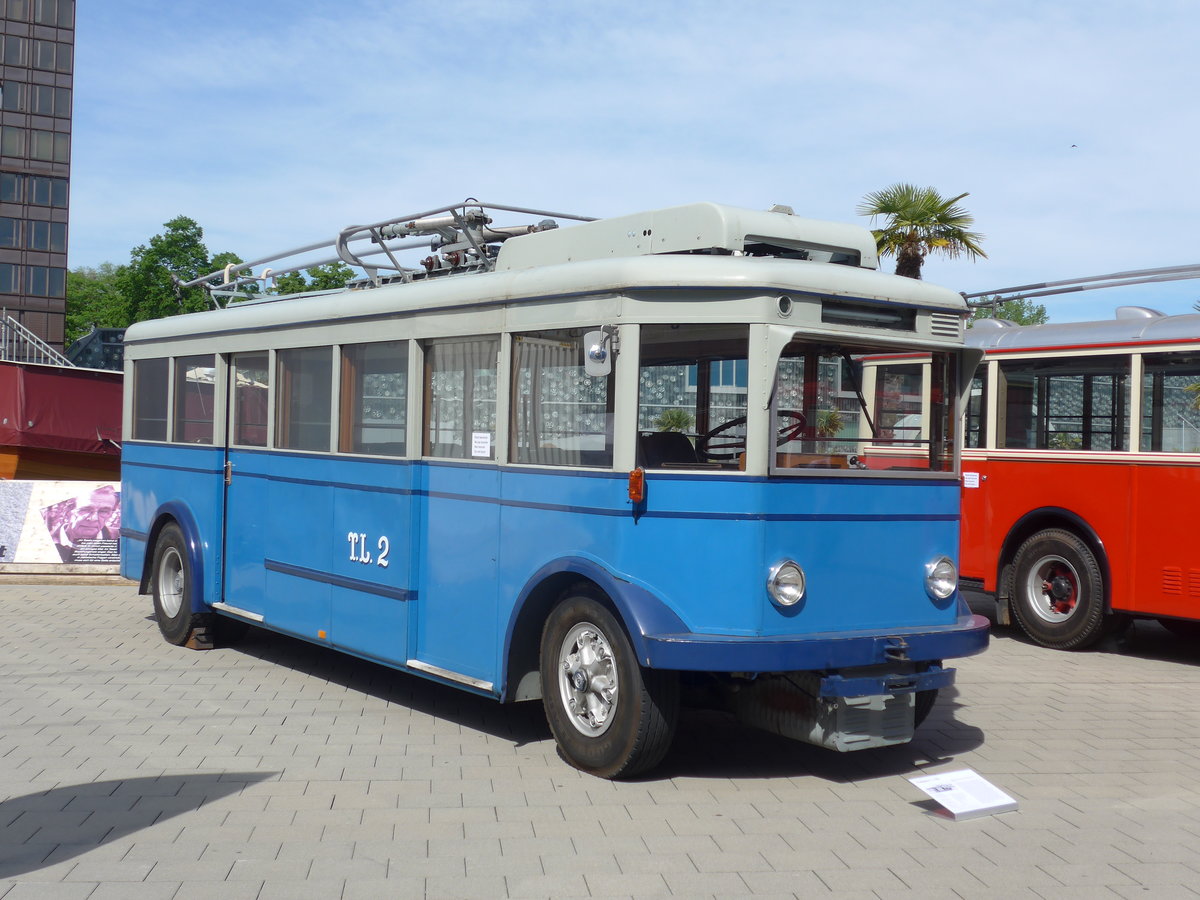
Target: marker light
x=785 y=583
x=637 y=485
x=941 y=578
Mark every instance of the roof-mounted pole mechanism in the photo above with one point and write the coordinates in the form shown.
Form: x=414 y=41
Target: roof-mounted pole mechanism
x=1089 y=283
x=462 y=237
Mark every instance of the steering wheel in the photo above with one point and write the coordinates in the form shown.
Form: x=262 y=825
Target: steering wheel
x=728 y=446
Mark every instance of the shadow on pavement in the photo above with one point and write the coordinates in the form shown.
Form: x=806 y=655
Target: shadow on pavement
x=1143 y=639
x=50 y=827
x=521 y=723
x=707 y=743
x=715 y=745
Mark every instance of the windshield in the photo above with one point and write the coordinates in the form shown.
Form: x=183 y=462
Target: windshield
x=853 y=408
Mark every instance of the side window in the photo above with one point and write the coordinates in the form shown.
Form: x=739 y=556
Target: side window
x=150 y=400
x=195 y=378
x=460 y=398
x=1077 y=403
x=304 y=402
x=251 y=382
x=561 y=415
x=898 y=404
x=976 y=411
x=1171 y=403
x=374 y=398
x=692 y=396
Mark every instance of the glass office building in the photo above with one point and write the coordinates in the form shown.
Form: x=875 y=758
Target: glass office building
x=37 y=55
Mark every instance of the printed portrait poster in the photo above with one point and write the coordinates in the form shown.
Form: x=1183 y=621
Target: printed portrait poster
x=74 y=522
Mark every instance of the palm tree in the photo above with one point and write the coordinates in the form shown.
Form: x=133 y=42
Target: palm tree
x=919 y=221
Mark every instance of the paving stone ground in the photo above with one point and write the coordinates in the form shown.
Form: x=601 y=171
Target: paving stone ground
x=134 y=770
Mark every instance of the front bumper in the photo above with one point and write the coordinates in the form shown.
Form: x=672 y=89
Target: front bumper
x=816 y=652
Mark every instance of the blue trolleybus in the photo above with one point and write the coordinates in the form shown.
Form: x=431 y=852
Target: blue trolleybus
x=701 y=451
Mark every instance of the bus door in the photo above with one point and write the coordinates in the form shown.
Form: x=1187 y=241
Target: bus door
x=456 y=622
x=279 y=505
x=247 y=487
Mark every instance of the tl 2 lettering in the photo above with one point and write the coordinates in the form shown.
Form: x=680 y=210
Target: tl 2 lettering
x=359 y=552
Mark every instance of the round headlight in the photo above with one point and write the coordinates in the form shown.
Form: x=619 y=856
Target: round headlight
x=941 y=577
x=785 y=583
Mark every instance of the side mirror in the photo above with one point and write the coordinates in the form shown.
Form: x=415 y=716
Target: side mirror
x=597 y=354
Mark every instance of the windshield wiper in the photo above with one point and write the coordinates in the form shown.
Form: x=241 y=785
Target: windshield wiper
x=862 y=402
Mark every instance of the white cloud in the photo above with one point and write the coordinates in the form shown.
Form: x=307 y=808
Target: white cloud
x=275 y=123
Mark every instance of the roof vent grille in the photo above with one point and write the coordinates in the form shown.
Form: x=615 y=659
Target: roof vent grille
x=945 y=324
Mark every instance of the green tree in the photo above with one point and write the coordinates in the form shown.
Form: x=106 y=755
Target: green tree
x=1020 y=310
x=330 y=276
x=918 y=221
x=94 y=300
x=147 y=281
x=246 y=290
x=150 y=283
x=320 y=278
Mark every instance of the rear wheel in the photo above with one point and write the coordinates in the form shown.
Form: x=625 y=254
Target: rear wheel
x=171 y=585
x=1058 y=596
x=609 y=716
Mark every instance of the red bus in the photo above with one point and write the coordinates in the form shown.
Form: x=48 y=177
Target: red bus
x=1081 y=474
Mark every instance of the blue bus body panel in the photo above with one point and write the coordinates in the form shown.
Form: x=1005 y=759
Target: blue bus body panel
x=459 y=618
x=428 y=561
x=180 y=481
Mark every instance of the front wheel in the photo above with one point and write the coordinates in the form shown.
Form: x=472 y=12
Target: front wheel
x=923 y=706
x=609 y=716
x=1058 y=597
x=171 y=584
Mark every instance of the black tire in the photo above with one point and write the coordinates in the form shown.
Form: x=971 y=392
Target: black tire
x=172 y=586
x=624 y=733
x=923 y=706
x=1058 y=591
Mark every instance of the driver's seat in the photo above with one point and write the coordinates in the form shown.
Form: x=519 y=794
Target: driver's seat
x=657 y=449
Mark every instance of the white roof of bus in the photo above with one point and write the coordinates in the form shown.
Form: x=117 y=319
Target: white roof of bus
x=678 y=229
x=1132 y=324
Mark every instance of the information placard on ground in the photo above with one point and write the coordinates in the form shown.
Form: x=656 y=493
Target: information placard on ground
x=965 y=794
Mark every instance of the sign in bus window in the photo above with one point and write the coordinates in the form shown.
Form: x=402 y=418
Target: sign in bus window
x=1071 y=404
x=460 y=398
x=374 y=398
x=303 y=407
x=1171 y=403
x=251 y=387
x=195 y=378
x=561 y=415
x=692 y=396
x=150 y=400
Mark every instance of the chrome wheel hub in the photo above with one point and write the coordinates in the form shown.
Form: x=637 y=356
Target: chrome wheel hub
x=170 y=582
x=588 y=679
x=1053 y=589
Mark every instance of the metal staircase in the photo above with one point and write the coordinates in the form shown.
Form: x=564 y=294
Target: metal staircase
x=19 y=344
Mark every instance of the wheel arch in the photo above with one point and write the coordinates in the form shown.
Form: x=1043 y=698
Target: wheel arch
x=1040 y=520
x=179 y=514
x=639 y=611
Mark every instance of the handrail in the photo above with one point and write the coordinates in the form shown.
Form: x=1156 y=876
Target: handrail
x=19 y=344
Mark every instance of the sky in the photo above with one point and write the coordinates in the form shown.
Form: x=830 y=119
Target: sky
x=1072 y=125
